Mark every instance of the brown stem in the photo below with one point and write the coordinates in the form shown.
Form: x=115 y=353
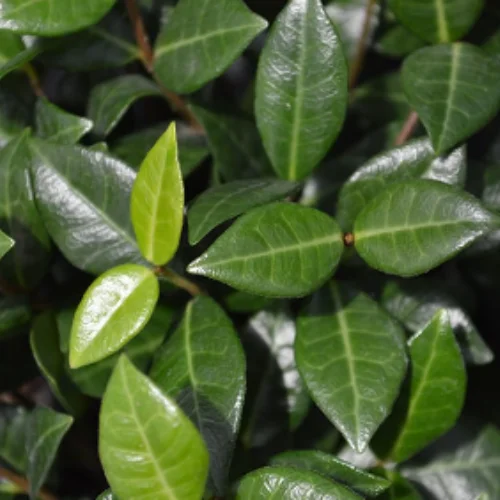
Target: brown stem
x=359 y=60
x=24 y=485
x=180 y=281
x=147 y=58
x=408 y=129
x=34 y=80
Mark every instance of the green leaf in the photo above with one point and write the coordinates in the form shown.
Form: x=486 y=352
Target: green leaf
x=202 y=366
x=414 y=226
x=136 y=416
x=113 y=310
x=6 y=244
x=235 y=145
x=44 y=434
x=287 y=482
x=467 y=461
x=221 y=203
x=438 y=21
x=110 y=100
x=397 y=41
x=414 y=160
x=400 y=489
x=278 y=250
x=27 y=263
x=84 y=199
x=13 y=424
x=92 y=379
x=107 y=495
x=56 y=125
x=157 y=205
x=334 y=468
x=301 y=93
x=21 y=59
x=51 y=17
x=44 y=341
x=415 y=302
x=15 y=312
x=10 y=45
x=454 y=89
x=433 y=400
x=244 y=303
x=351 y=355
x=210 y=34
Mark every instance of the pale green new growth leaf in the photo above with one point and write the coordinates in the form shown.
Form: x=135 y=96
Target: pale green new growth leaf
x=454 y=89
x=6 y=244
x=332 y=467
x=414 y=226
x=165 y=457
x=110 y=100
x=291 y=483
x=210 y=34
x=301 y=90
x=432 y=403
x=51 y=17
x=437 y=21
x=351 y=355
x=43 y=436
x=202 y=366
x=113 y=310
x=56 y=125
x=157 y=205
x=221 y=203
x=278 y=250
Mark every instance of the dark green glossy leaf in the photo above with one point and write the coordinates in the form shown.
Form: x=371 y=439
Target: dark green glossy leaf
x=463 y=464
x=157 y=203
x=235 y=145
x=136 y=416
x=51 y=17
x=113 y=310
x=334 y=468
x=243 y=302
x=110 y=100
x=278 y=250
x=56 y=125
x=414 y=226
x=415 y=302
x=351 y=355
x=397 y=41
x=301 y=92
x=414 y=160
x=84 y=199
x=92 y=379
x=433 y=400
x=44 y=434
x=400 y=489
x=210 y=34
x=202 y=366
x=224 y=202
x=14 y=313
x=107 y=495
x=44 y=341
x=287 y=482
x=438 y=21
x=13 y=424
x=454 y=89
x=27 y=262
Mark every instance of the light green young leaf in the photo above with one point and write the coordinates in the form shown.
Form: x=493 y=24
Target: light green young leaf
x=438 y=21
x=454 y=89
x=210 y=34
x=288 y=482
x=137 y=416
x=334 y=468
x=412 y=227
x=44 y=341
x=431 y=403
x=110 y=100
x=113 y=310
x=414 y=160
x=157 y=205
x=278 y=250
x=51 y=17
x=352 y=357
x=221 y=203
x=56 y=125
x=44 y=434
x=6 y=244
x=202 y=366
x=84 y=199
x=301 y=90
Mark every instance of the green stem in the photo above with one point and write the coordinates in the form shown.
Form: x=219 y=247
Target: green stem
x=179 y=281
